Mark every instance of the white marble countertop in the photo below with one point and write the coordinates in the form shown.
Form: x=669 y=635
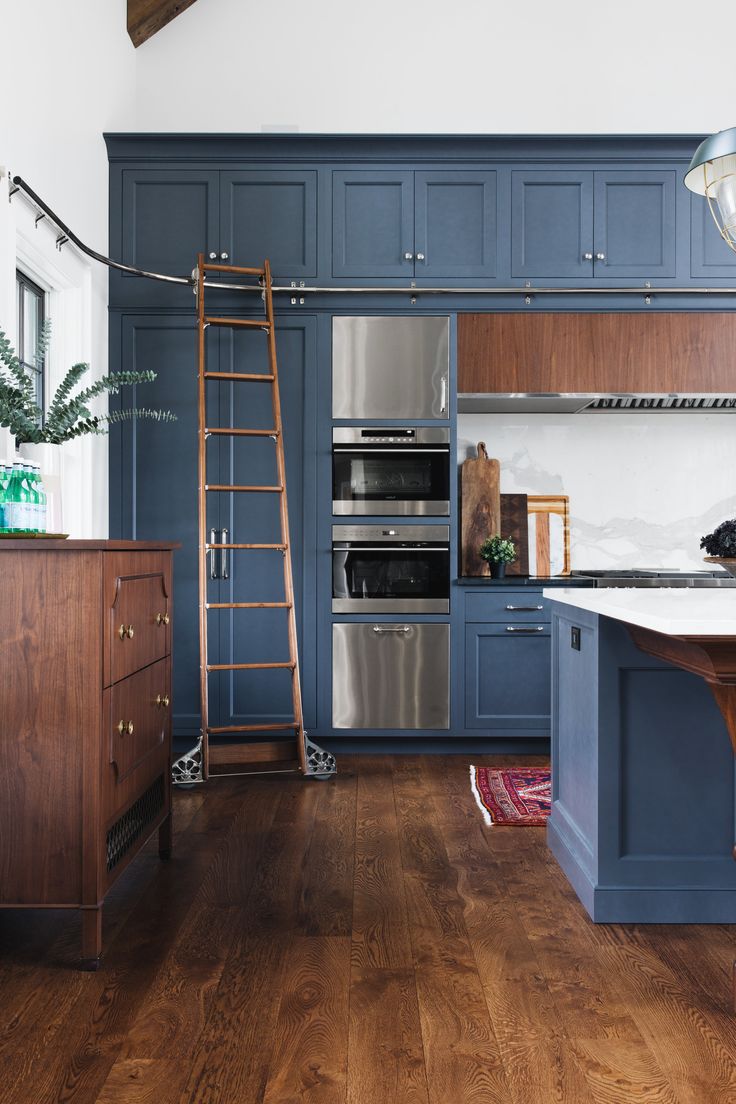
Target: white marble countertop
x=676 y=611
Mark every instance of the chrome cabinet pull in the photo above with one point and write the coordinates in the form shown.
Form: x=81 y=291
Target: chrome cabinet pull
x=587 y=256
x=213 y=256
x=408 y=256
x=385 y=629
x=213 y=554
x=420 y=257
x=443 y=395
x=524 y=609
x=224 y=257
x=224 y=568
x=600 y=256
x=523 y=629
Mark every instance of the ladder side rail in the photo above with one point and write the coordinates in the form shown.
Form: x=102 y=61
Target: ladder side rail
x=296 y=690
x=202 y=514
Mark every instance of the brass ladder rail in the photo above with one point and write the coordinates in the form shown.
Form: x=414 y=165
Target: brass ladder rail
x=310 y=759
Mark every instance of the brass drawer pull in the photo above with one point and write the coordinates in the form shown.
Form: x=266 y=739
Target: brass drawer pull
x=126 y=726
x=162 y=618
x=162 y=700
x=126 y=630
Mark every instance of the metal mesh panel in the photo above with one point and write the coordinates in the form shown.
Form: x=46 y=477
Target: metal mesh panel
x=133 y=823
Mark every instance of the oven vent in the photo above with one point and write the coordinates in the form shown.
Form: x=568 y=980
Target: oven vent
x=663 y=402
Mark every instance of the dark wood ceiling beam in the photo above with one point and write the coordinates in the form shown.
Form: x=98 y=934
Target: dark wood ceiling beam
x=145 y=17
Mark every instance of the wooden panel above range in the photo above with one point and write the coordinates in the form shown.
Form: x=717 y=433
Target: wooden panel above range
x=597 y=352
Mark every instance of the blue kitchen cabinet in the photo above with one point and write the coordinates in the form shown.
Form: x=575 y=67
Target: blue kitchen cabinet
x=593 y=224
x=507 y=663
x=161 y=219
x=424 y=225
x=153 y=478
x=710 y=257
x=273 y=214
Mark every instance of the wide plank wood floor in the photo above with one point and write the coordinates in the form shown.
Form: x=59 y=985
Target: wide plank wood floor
x=365 y=940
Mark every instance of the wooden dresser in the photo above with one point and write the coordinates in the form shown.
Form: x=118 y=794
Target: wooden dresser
x=85 y=719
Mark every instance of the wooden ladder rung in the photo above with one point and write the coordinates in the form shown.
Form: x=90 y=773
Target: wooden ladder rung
x=279 y=547
x=279 y=751
x=248 y=605
x=248 y=666
x=242 y=323
x=223 y=730
x=237 y=487
x=236 y=269
x=244 y=377
x=229 y=432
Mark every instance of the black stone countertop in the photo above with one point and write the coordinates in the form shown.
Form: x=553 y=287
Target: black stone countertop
x=525 y=580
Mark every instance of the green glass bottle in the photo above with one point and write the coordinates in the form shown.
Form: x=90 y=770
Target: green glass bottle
x=5 y=473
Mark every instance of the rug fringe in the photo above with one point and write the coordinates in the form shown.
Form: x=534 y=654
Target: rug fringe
x=476 y=795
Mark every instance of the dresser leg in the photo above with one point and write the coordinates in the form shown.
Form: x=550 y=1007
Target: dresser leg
x=91 y=938
x=166 y=838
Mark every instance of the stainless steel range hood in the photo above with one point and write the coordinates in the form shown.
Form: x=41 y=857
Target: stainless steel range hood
x=573 y=403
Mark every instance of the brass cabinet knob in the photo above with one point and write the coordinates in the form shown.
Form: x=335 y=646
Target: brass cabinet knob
x=162 y=618
x=162 y=700
x=126 y=726
x=126 y=630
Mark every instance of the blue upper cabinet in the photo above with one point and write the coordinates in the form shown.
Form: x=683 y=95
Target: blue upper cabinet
x=593 y=225
x=372 y=224
x=426 y=226
x=710 y=257
x=634 y=227
x=161 y=219
x=270 y=214
x=551 y=224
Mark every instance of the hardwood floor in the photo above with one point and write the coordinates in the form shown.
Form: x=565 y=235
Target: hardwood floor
x=365 y=940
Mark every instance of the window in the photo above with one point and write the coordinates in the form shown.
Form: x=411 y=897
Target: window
x=31 y=315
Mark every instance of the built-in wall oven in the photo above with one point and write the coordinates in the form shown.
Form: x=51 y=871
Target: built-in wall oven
x=390 y=470
x=391 y=569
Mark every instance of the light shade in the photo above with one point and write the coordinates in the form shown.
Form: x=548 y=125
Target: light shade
x=712 y=173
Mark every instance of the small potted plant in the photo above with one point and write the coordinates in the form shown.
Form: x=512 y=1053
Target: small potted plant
x=497 y=552
x=721 y=545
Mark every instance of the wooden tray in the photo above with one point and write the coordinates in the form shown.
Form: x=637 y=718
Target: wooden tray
x=33 y=536
x=549 y=534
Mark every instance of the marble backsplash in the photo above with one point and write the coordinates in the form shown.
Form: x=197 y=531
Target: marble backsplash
x=643 y=487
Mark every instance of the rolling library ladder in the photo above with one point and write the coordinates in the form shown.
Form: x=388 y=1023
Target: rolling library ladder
x=248 y=756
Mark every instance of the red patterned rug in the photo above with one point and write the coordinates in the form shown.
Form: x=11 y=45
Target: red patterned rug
x=516 y=795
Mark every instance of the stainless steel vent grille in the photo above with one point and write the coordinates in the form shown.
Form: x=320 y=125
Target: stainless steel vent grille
x=663 y=402
x=133 y=823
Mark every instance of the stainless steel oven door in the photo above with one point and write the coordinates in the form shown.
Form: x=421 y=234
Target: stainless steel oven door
x=397 y=569
x=391 y=471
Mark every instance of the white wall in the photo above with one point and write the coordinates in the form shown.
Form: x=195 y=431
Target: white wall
x=471 y=66
x=68 y=74
x=643 y=487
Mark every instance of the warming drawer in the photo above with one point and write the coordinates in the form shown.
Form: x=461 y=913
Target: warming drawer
x=391 y=675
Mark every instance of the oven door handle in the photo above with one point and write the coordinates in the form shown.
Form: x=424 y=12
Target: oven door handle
x=384 y=548
x=387 y=629
x=407 y=448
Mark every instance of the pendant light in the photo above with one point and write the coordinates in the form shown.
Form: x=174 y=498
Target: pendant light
x=712 y=173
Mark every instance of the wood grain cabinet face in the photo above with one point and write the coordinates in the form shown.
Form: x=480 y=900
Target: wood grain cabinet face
x=139 y=623
x=138 y=718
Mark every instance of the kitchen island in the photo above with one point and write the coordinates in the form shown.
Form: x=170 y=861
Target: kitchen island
x=643 y=684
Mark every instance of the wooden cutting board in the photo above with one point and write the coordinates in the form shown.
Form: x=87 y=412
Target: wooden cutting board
x=480 y=492
x=549 y=534
x=515 y=527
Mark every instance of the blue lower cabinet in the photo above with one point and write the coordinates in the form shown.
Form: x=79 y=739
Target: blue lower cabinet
x=507 y=678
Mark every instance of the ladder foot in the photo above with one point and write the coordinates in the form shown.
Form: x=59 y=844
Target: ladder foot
x=187 y=769
x=319 y=763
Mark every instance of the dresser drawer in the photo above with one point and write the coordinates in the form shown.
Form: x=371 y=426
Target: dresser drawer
x=507 y=605
x=138 y=615
x=138 y=718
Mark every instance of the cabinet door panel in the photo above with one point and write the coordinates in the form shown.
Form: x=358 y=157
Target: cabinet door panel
x=635 y=224
x=270 y=214
x=153 y=478
x=551 y=223
x=167 y=217
x=372 y=223
x=710 y=257
x=507 y=678
x=246 y=635
x=455 y=224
